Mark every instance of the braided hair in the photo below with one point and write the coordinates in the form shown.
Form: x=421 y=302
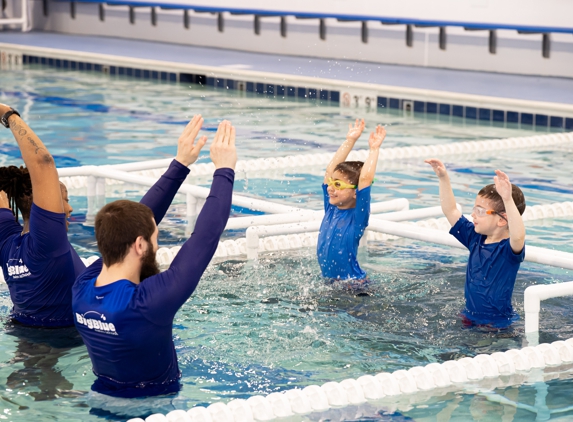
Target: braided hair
x=16 y=182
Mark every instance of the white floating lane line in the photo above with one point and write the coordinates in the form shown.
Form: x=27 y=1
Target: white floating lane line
x=237 y=247
x=482 y=372
x=228 y=248
x=74 y=177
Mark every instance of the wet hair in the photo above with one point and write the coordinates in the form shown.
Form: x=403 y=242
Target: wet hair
x=16 y=182
x=490 y=192
x=350 y=169
x=118 y=225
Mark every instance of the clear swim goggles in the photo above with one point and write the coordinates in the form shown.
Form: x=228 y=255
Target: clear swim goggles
x=482 y=212
x=339 y=184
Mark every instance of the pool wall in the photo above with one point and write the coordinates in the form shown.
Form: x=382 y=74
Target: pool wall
x=366 y=96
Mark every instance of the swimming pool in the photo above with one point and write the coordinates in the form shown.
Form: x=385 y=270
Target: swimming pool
x=260 y=327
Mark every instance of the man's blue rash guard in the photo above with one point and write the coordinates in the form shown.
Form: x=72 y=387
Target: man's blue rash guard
x=339 y=236
x=126 y=327
x=39 y=267
x=490 y=276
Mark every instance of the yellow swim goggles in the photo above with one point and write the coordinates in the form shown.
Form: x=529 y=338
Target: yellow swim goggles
x=339 y=184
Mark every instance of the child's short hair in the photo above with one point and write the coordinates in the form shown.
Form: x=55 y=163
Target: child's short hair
x=490 y=192
x=350 y=169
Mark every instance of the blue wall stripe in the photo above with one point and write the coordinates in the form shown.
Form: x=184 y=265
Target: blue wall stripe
x=445 y=109
x=512 y=117
x=526 y=119
x=394 y=103
x=556 y=122
x=432 y=108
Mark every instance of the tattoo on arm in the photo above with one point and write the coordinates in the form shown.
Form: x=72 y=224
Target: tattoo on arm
x=35 y=145
x=20 y=131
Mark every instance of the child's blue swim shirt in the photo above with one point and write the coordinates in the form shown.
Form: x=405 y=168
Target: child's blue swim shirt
x=39 y=268
x=339 y=236
x=490 y=276
x=127 y=327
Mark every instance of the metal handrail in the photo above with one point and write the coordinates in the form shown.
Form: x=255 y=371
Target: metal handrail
x=23 y=21
x=389 y=20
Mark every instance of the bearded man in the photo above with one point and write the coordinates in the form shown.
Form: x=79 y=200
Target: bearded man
x=126 y=322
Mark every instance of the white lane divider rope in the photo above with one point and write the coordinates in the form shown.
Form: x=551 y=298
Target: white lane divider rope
x=500 y=369
x=322 y=159
x=238 y=247
x=229 y=248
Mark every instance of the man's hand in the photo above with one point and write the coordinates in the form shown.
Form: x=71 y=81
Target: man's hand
x=4 y=202
x=187 y=149
x=223 y=151
x=377 y=137
x=502 y=185
x=437 y=166
x=355 y=131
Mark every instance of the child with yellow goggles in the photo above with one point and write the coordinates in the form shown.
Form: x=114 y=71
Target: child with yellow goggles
x=346 y=190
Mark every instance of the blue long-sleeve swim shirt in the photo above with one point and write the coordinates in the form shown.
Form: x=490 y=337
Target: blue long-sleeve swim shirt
x=39 y=268
x=127 y=327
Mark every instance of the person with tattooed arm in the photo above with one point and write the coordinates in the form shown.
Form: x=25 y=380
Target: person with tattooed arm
x=38 y=262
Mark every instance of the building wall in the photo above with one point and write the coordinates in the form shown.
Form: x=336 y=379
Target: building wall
x=468 y=50
x=551 y=13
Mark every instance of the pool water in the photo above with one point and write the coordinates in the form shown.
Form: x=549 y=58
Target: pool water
x=258 y=327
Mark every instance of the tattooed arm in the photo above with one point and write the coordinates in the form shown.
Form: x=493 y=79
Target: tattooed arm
x=40 y=163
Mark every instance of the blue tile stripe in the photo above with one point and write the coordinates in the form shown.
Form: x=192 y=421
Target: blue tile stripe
x=469 y=113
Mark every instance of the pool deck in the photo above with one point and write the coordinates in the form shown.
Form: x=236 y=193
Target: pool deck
x=532 y=88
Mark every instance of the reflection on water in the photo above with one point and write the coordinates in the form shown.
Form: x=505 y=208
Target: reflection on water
x=538 y=401
x=35 y=361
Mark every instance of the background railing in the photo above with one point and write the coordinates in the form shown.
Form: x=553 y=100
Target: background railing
x=409 y=23
x=22 y=21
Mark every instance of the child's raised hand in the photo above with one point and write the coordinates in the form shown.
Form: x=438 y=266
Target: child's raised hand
x=355 y=131
x=437 y=166
x=377 y=137
x=502 y=185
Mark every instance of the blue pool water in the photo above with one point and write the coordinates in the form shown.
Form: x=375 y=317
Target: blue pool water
x=255 y=328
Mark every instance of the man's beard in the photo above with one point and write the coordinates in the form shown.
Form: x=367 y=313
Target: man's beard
x=149 y=265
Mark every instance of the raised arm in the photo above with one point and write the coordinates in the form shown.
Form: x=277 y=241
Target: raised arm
x=352 y=136
x=200 y=248
x=173 y=287
x=161 y=194
x=369 y=167
x=514 y=220
x=40 y=163
x=447 y=199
